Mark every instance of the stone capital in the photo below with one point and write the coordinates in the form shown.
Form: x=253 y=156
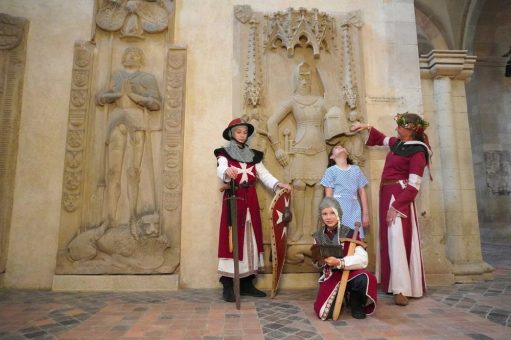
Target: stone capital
x=455 y=64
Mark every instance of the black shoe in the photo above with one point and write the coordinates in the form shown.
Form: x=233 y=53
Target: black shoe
x=228 y=295
x=356 y=303
x=247 y=287
x=228 y=292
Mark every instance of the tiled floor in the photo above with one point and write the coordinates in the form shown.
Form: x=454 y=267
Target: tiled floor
x=468 y=311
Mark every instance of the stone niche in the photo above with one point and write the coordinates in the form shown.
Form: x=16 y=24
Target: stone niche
x=121 y=204
x=300 y=84
x=13 y=41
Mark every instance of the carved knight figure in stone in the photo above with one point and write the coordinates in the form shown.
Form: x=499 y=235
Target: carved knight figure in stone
x=134 y=94
x=306 y=157
x=134 y=17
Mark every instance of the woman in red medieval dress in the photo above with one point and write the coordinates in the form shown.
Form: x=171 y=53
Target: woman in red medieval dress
x=243 y=165
x=400 y=266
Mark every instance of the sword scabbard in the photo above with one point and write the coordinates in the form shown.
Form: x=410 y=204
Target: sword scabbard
x=233 y=237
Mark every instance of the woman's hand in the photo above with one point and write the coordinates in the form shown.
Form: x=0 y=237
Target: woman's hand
x=232 y=172
x=357 y=127
x=391 y=216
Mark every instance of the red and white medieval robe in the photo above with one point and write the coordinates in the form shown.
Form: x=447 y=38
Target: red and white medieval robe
x=399 y=266
x=250 y=234
x=330 y=279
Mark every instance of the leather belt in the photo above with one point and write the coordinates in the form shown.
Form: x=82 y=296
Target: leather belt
x=393 y=181
x=245 y=184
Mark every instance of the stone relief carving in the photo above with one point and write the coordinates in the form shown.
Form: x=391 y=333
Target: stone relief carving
x=134 y=17
x=498 y=171
x=300 y=27
x=135 y=94
x=253 y=83
x=122 y=181
x=12 y=31
x=13 y=39
x=75 y=143
x=254 y=88
x=172 y=151
x=311 y=97
x=305 y=157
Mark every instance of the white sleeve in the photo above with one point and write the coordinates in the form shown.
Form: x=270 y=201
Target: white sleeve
x=264 y=175
x=358 y=260
x=221 y=167
x=415 y=181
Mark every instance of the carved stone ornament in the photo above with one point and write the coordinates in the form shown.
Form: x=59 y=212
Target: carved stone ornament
x=73 y=166
x=134 y=17
x=300 y=27
x=352 y=19
x=11 y=32
x=243 y=13
x=498 y=171
x=310 y=101
x=253 y=83
x=101 y=249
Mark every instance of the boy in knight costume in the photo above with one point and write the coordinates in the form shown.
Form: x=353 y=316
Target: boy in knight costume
x=237 y=162
x=361 y=286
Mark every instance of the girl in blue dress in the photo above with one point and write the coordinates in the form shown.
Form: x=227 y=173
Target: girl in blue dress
x=346 y=183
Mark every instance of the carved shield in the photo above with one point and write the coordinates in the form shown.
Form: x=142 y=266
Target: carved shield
x=280 y=212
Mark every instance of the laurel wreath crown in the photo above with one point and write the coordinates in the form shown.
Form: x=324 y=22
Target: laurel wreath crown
x=418 y=126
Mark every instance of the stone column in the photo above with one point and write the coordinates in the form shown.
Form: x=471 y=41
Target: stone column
x=448 y=71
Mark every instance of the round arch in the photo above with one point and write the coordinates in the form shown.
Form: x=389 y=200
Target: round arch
x=429 y=35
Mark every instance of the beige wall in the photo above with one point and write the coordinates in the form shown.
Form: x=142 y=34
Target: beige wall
x=54 y=26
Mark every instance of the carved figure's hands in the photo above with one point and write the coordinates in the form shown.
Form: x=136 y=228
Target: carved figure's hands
x=162 y=239
x=140 y=100
x=107 y=97
x=282 y=157
x=354 y=116
x=148 y=102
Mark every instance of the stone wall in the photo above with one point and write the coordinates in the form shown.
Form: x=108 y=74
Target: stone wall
x=389 y=71
x=490 y=116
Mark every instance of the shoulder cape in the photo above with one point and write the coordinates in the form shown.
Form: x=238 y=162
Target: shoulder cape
x=258 y=155
x=407 y=149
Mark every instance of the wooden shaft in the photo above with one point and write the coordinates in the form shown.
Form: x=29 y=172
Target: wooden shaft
x=344 y=278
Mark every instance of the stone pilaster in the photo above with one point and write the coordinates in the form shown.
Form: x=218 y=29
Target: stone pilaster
x=448 y=71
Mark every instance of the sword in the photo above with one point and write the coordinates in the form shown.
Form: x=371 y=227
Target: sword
x=345 y=274
x=223 y=188
x=232 y=202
